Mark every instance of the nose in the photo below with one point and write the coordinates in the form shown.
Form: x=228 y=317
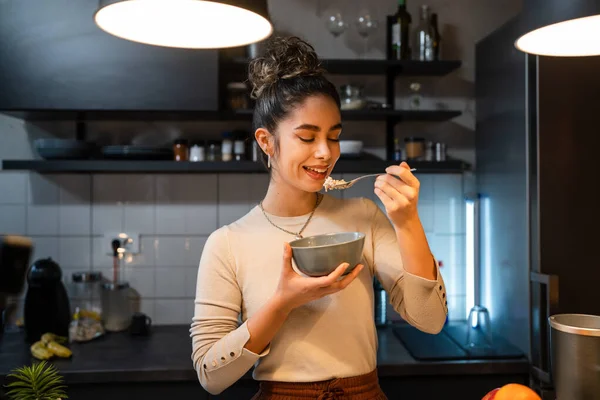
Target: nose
x=323 y=151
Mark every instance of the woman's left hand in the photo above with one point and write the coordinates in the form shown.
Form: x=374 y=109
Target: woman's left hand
x=398 y=190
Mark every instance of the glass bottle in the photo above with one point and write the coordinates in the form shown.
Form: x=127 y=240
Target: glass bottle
x=397 y=150
x=423 y=37
x=399 y=45
x=436 y=37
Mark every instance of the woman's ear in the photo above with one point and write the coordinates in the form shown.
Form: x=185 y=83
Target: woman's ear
x=264 y=140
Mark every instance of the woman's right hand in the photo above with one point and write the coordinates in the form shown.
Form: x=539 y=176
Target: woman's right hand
x=295 y=290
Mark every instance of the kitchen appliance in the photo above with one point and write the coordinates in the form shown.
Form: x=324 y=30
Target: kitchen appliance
x=536 y=157
x=575 y=358
x=46 y=302
x=14 y=260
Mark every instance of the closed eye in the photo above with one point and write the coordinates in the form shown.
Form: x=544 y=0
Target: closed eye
x=312 y=140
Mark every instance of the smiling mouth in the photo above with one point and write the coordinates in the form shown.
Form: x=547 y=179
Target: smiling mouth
x=322 y=170
x=317 y=174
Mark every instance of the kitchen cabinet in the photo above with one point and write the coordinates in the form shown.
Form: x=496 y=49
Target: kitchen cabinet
x=536 y=147
x=55 y=59
x=411 y=387
x=237 y=167
x=119 y=367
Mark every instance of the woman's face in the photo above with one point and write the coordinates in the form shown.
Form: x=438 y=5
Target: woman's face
x=308 y=143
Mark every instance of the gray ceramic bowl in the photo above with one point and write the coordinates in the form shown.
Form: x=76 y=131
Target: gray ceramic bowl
x=319 y=255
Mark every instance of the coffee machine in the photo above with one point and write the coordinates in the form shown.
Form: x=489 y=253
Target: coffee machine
x=47 y=306
x=15 y=252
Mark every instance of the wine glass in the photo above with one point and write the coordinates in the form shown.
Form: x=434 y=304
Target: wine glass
x=335 y=22
x=366 y=24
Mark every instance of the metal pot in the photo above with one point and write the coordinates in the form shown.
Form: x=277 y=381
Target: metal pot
x=575 y=344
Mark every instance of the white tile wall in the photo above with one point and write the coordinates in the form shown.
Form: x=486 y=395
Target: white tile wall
x=441 y=209
x=75 y=252
x=67 y=216
x=13 y=219
x=187 y=207
x=14 y=188
x=186 y=204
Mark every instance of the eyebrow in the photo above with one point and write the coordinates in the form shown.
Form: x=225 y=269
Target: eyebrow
x=315 y=128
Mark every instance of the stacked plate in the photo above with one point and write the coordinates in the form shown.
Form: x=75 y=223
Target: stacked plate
x=137 y=153
x=64 y=149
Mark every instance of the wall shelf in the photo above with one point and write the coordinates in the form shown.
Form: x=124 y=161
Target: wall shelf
x=135 y=166
x=235 y=69
x=393 y=116
x=369 y=67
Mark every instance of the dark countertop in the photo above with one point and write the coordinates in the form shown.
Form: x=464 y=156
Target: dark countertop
x=165 y=356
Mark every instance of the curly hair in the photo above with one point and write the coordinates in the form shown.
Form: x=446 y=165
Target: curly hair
x=284 y=76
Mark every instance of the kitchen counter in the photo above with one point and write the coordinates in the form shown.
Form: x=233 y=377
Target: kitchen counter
x=164 y=357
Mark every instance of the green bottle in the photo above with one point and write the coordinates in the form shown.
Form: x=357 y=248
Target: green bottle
x=400 y=28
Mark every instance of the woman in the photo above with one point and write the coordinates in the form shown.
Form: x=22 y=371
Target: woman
x=308 y=337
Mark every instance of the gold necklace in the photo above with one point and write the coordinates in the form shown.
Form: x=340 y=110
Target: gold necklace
x=298 y=235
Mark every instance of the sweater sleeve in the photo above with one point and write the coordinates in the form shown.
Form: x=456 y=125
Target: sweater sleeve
x=218 y=352
x=421 y=302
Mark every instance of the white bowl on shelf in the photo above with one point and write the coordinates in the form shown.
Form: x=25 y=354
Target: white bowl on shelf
x=351 y=147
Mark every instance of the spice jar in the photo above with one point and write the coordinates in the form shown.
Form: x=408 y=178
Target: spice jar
x=429 y=151
x=239 y=149
x=180 y=150
x=197 y=152
x=213 y=152
x=227 y=147
x=238 y=95
x=414 y=147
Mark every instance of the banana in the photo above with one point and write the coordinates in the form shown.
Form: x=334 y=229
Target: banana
x=49 y=346
x=39 y=351
x=51 y=337
x=59 y=350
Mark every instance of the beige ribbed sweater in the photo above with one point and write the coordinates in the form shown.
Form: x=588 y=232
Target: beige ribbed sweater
x=332 y=337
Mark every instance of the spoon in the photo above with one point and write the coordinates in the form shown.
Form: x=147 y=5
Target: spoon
x=340 y=184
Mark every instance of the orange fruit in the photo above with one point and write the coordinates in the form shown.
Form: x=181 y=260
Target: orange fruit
x=491 y=394
x=515 y=391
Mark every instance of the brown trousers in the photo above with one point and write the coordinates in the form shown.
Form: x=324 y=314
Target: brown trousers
x=362 y=387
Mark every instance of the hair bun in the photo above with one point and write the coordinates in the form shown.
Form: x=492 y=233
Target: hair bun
x=284 y=58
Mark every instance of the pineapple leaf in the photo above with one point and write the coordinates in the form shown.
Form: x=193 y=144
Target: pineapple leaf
x=48 y=381
x=40 y=381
